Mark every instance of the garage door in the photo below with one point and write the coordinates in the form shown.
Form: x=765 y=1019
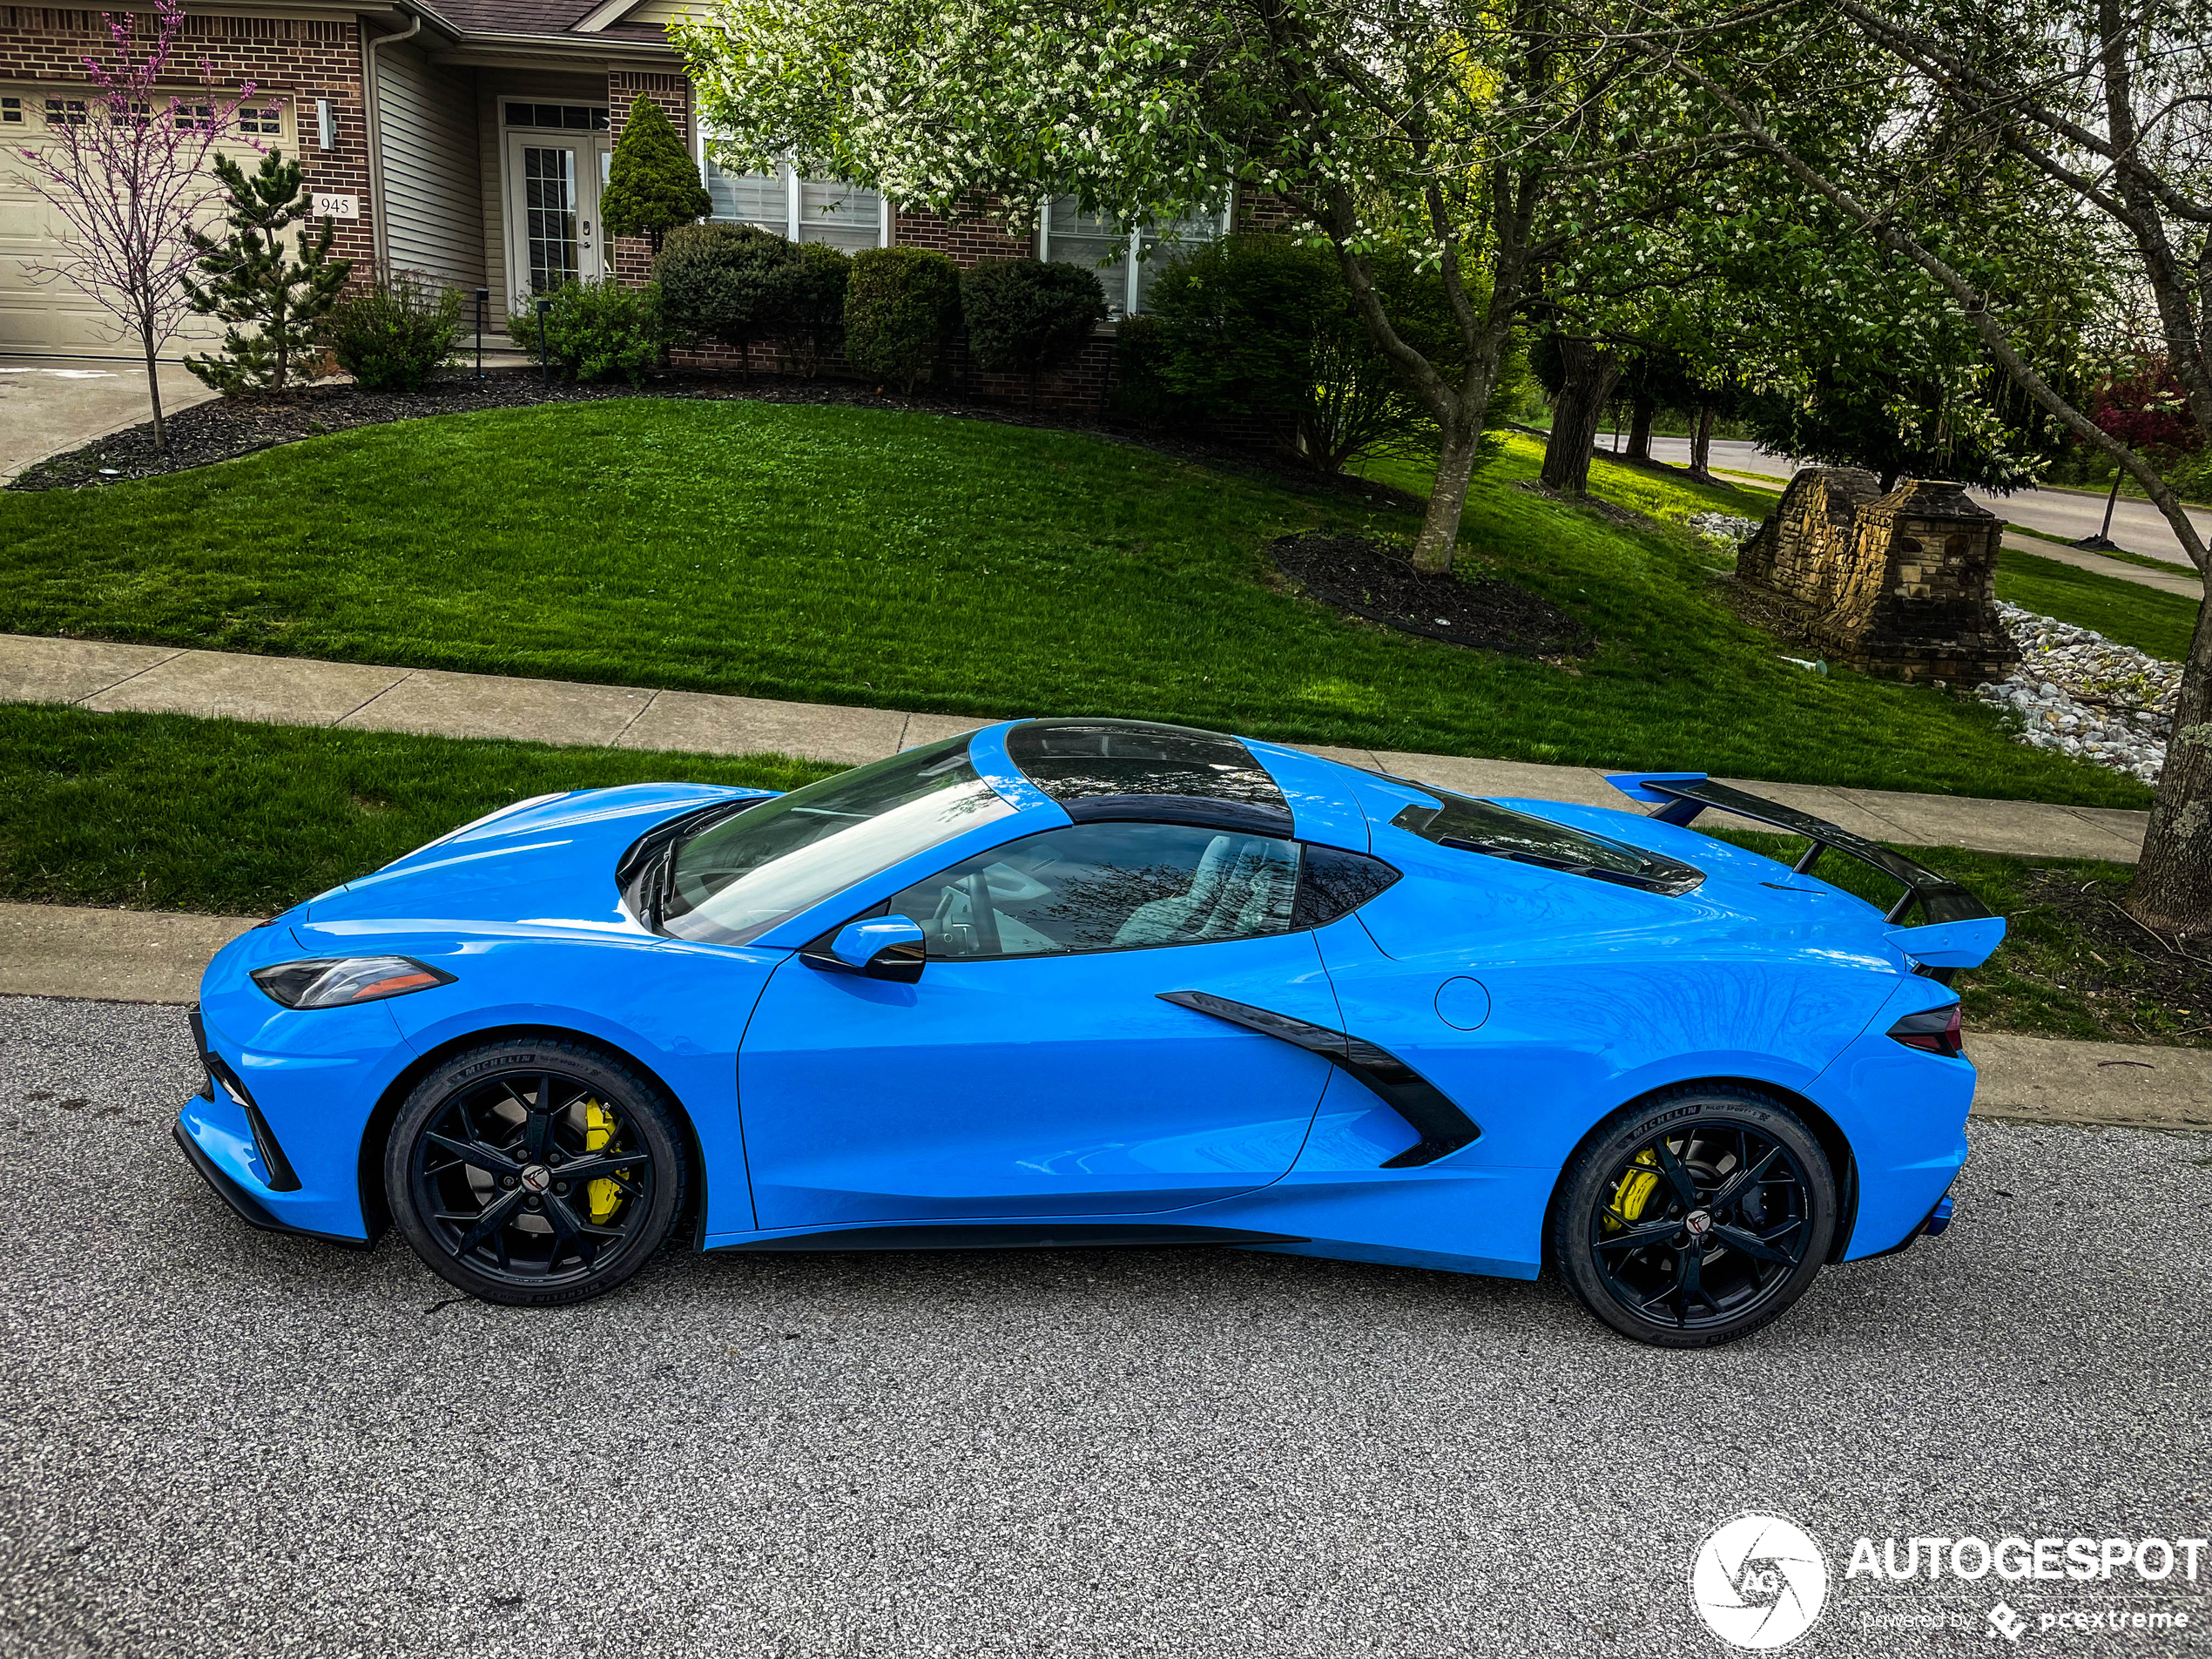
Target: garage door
x=42 y=313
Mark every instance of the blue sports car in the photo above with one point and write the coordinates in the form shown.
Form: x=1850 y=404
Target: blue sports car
x=1069 y=982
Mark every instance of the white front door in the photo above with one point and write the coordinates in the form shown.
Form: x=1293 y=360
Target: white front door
x=553 y=209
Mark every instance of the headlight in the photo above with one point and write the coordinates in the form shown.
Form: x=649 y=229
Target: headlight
x=334 y=981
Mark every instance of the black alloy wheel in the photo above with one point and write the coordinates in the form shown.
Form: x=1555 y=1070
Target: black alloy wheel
x=536 y=1173
x=1695 y=1216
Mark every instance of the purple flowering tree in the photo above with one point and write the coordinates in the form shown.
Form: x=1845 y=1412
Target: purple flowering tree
x=125 y=167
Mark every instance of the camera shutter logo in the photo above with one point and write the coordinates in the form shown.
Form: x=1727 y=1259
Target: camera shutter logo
x=1758 y=1580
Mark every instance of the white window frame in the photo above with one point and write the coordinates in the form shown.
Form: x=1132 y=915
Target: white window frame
x=794 y=211
x=1225 y=220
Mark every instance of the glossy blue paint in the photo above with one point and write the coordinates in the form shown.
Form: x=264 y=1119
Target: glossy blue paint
x=1027 y=1086
x=1028 y=1090
x=857 y=943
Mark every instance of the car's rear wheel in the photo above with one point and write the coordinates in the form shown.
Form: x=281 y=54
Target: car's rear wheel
x=537 y=1172
x=1695 y=1216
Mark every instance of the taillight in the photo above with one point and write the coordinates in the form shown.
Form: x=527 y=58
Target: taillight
x=1936 y=1030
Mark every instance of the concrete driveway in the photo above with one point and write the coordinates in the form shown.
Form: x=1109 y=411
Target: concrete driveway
x=51 y=404
x=221 y=1442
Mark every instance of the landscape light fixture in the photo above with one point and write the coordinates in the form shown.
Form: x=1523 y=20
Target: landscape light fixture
x=545 y=357
x=484 y=304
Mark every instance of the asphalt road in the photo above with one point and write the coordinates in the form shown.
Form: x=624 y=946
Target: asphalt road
x=2136 y=525
x=219 y=1442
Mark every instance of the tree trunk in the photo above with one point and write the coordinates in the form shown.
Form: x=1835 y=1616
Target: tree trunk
x=1701 y=447
x=1448 y=498
x=153 y=396
x=1642 y=410
x=1591 y=371
x=2173 y=886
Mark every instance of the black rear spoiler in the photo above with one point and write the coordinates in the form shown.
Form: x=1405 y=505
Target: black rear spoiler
x=1680 y=796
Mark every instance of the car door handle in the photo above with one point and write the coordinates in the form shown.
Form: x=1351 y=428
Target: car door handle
x=1434 y=1114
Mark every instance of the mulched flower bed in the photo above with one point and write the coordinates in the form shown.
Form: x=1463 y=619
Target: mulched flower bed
x=223 y=429
x=1378 y=582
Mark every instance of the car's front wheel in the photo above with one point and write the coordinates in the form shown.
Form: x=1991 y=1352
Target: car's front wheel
x=1695 y=1216
x=537 y=1172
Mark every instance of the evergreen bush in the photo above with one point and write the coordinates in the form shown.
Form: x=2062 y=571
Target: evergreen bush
x=652 y=184
x=595 y=330
x=1027 y=317
x=252 y=279
x=1262 y=324
x=728 y=283
x=900 y=311
x=817 y=311
x=393 y=336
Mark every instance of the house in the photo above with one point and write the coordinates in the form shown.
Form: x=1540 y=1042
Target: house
x=467 y=140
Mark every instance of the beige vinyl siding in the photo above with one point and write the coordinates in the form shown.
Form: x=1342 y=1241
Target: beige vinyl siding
x=492 y=85
x=426 y=125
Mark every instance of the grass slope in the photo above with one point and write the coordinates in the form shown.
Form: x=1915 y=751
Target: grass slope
x=160 y=812
x=925 y=562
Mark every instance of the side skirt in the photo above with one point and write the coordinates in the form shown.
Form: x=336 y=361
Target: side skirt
x=1010 y=1236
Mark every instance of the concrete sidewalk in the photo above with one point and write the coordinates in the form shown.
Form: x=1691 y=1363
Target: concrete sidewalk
x=156 y=956
x=293 y=691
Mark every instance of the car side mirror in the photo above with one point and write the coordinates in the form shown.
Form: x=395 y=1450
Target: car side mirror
x=888 y=948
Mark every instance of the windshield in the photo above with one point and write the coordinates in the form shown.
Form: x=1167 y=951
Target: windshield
x=733 y=881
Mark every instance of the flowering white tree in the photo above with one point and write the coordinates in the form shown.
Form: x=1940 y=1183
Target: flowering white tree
x=2109 y=103
x=125 y=167
x=1491 y=140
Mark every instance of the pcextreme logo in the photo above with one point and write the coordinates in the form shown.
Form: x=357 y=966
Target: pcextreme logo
x=1758 y=1580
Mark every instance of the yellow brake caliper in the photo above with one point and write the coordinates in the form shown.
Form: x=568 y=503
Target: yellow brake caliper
x=598 y=1129
x=1633 y=1192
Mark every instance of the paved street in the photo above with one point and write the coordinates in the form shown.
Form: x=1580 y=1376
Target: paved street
x=2136 y=525
x=221 y=1442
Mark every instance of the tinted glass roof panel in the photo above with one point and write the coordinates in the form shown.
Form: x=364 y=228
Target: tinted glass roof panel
x=1074 y=760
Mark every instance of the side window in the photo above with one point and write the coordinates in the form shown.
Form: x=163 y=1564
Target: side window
x=1107 y=886
x=1334 y=882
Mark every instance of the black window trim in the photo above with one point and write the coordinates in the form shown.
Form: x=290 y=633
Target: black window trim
x=818 y=946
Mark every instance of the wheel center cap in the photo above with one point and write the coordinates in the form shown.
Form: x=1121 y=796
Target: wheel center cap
x=1699 y=1222
x=537 y=1177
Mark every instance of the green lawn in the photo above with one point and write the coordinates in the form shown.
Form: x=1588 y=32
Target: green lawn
x=160 y=811
x=925 y=562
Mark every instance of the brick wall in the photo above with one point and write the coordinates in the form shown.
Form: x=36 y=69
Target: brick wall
x=633 y=255
x=296 y=59
x=969 y=237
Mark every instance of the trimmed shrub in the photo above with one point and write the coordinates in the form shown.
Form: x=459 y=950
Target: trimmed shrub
x=817 y=311
x=727 y=283
x=1028 y=317
x=1259 y=325
x=595 y=330
x=899 y=312
x=652 y=184
x=392 y=337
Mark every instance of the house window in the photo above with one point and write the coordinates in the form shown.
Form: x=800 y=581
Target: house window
x=195 y=118
x=64 y=112
x=568 y=118
x=10 y=111
x=1127 y=262
x=258 y=119
x=804 y=210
